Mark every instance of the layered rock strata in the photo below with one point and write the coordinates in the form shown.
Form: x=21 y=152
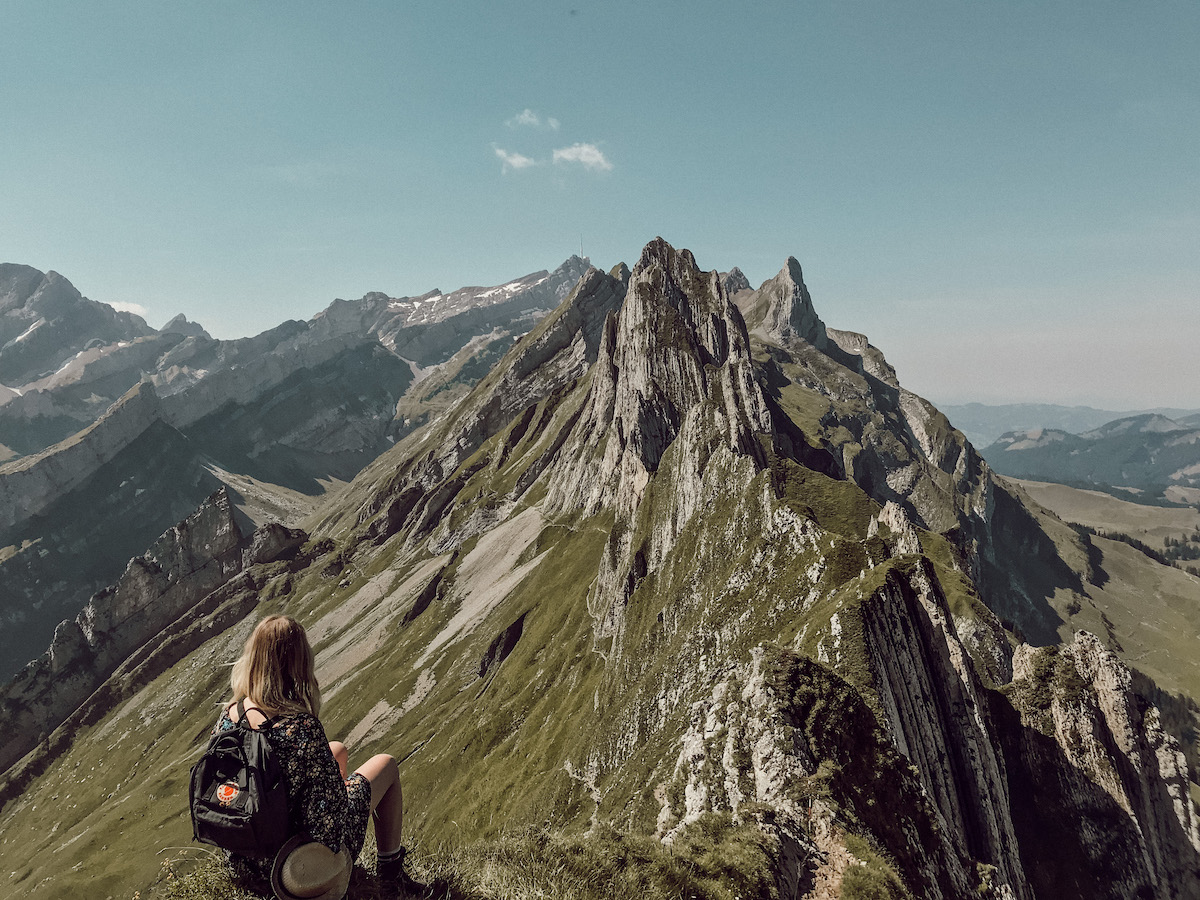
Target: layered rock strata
x=546 y=363
x=187 y=563
x=29 y=485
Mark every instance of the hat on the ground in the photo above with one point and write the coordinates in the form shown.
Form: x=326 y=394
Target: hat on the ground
x=305 y=869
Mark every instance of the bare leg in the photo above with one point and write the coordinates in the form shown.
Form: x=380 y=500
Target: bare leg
x=387 y=800
x=341 y=754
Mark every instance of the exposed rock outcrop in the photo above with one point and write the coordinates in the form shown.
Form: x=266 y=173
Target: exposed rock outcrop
x=547 y=361
x=181 y=325
x=735 y=281
x=678 y=355
x=786 y=309
x=932 y=698
x=44 y=322
x=611 y=586
x=1091 y=748
x=189 y=561
x=29 y=485
x=271 y=542
x=901 y=450
x=297 y=407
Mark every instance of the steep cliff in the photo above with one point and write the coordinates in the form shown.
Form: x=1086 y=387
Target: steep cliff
x=659 y=568
x=1104 y=789
x=30 y=484
x=177 y=580
x=82 y=510
x=292 y=411
x=845 y=398
x=69 y=358
x=44 y=322
x=186 y=563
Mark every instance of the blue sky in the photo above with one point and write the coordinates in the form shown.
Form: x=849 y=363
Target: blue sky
x=1005 y=197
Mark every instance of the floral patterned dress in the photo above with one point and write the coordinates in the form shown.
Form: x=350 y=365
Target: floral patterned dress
x=320 y=804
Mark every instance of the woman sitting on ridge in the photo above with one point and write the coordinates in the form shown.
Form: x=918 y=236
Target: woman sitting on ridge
x=275 y=680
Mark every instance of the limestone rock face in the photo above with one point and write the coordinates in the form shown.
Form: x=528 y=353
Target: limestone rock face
x=187 y=563
x=871 y=360
x=734 y=281
x=924 y=465
x=899 y=448
x=181 y=325
x=82 y=509
x=892 y=515
x=677 y=354
x=44 y=322
x=548 y=361
x=1115 y=763
x=297 y=406
x=668 y=568
x=929 y=690
x=30 y=484
x=756 y=740
x=271 y=542
x=789 y=312
x=673 y=389
x=74 y=377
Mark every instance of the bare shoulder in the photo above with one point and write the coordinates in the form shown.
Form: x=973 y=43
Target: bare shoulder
x=255 y=716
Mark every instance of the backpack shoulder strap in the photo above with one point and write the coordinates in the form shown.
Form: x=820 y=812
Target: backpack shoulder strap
x=265 y=725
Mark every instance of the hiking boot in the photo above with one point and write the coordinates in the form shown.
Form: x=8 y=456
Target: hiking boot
x=397 y=882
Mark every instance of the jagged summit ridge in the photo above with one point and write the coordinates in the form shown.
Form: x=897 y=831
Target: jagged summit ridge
x=678 y=353
x=656 y=569
x=788 y=311
x=181 y=325
x=735 y=281
x=45 y=322
x=543 y=364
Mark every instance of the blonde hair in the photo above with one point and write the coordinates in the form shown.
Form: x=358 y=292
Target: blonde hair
x=275 y=670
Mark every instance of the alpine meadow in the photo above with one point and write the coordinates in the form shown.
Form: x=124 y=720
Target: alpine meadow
x=655 y=584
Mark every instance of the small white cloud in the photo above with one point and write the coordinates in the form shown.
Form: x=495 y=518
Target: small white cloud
x=587 y=155
x=513 y=160
x=136 y=308
x=529 y=119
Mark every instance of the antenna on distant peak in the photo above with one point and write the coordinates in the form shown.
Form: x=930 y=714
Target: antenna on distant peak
x=581 y=256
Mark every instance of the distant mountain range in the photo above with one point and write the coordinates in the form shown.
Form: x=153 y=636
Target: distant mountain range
x=1147 y=457
x=112 y=431
x=645 y=552
x=983 y=424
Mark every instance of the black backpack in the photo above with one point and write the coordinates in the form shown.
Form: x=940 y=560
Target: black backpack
x=239 y=798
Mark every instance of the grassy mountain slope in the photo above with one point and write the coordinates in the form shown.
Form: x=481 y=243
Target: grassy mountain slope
x=650 y=571
x=280 y=417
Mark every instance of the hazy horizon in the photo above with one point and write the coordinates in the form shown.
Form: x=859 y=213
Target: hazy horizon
x=1003 y=198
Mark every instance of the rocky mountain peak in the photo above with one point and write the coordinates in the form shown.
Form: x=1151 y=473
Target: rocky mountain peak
x=621 y=273
x=784 y=309
x=658 y=584
x=671 y=300
x=734 y=281
x=45 y=321
x=17 y=283
x=675 y=360
x=181 y=325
